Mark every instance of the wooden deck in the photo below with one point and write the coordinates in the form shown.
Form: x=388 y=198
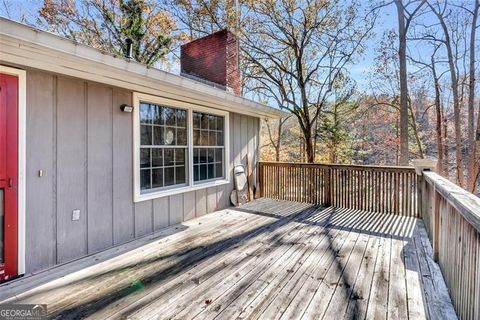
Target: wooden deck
x=269 y=259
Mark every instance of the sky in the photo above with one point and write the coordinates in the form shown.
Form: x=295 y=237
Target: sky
x=359 y=71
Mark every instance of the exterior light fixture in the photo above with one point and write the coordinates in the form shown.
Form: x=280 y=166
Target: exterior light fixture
x=126 y=108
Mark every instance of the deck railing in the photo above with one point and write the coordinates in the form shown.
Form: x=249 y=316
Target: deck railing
x=452 y=218
x=385 y=189
x=451 y=214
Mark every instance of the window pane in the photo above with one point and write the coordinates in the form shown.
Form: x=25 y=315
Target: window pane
x=157 y=178
x=180 y=174
x=196 y=137
x=181 y=137
x=158 y=139
x=211 y=155
x=162 y=126
x=220 y=123
x=157 y=114
x=218 y=170
x=220 y=136
x=168 y=157
x=146 y=135
x=179 y=157
x=203 y=172
x=169 y=176
x=181 y=118
x=169 y=136
x=145 y=115
x=209 y=131
x=218 y=155
x=204 y=138
x=196 y=156
x=211 y=171
x=157 y=157
x=204 y=121
x=196 y=120
x=196 y=173
x=145 y=158
x=211 y=122
x=212 y=138
x=169 y=116
x=145 y=179
x=203 y=155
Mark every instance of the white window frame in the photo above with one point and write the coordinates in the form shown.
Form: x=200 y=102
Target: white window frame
x=191 y=185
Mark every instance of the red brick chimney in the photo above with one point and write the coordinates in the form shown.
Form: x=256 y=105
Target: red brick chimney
x=214 y=60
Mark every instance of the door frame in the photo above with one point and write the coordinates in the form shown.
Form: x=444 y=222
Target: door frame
x=22 y=84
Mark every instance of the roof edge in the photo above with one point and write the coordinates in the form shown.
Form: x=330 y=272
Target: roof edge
x=79 y=60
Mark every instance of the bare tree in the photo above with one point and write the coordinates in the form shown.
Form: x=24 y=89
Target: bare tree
x=440 y=11
x=405 y=17
x=385 y=90
x=275 y=139
x=436 y=76
x=473 y=168
x=301 y=50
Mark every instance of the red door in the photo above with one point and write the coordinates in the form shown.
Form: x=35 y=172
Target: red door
x=8 y=175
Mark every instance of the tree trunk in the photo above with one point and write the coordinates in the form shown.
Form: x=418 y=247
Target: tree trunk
x=473 y=162
x=309 y=146
x=417 y=137
x=476 y=172
x=279 y=140
x=456 y=103
x=477 y=146
x=402 y=55
x=445 y=143
x=438 y=109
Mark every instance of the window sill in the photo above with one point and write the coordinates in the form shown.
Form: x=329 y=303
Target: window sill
x=166 y=193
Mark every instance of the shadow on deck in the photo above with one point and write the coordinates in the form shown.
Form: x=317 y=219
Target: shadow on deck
x=268 y=259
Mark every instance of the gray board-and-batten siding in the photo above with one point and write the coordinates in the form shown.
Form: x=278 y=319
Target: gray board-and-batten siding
x=81 y=140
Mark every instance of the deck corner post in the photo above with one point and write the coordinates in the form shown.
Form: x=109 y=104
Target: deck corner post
x=422 y=165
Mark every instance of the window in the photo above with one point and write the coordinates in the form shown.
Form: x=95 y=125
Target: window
x=163 y=146
x=208 y=142
x=178 y=147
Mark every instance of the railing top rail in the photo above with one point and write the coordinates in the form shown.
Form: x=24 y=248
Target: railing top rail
x=466 y=203
x=344 y=166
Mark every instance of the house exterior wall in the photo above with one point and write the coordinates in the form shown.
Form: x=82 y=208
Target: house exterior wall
x=82 y=142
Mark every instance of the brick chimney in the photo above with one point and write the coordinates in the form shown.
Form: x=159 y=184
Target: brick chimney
x=213 y=59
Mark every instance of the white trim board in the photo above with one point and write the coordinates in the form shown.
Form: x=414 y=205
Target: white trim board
x=21 y=74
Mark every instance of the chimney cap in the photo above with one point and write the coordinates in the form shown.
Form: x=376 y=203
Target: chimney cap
x=221 y=31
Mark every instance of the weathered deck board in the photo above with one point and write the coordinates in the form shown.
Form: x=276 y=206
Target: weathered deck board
x=269 y=259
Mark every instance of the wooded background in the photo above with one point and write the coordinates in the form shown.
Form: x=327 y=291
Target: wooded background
x=418 y=99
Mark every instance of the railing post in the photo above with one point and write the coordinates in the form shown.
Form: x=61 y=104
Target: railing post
x=420 y=166
x=421 y=198
x=328 y=187
x=436 y=225
x=260 y=179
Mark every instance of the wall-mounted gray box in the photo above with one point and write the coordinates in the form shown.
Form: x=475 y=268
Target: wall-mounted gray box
x=75 y=215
